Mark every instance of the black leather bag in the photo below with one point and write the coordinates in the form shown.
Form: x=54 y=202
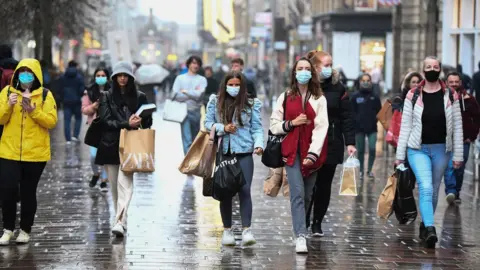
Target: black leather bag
x=404 y=204
x=272 y=155
x=207 y=189
x=94 y=133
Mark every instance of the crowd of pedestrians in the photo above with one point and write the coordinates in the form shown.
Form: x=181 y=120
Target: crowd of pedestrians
x=319 y=121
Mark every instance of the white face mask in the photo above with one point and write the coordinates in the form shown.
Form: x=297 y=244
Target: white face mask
x=233 y=90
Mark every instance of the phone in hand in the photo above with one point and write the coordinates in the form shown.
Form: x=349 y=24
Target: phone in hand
x=26 y=100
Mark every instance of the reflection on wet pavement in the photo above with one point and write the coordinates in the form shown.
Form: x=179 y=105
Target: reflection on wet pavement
x=172 y=226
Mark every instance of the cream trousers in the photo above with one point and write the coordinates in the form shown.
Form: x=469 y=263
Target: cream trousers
x=121 y=185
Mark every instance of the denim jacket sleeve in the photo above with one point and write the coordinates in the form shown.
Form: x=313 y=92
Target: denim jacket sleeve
x=256 y=124
x=210 y=114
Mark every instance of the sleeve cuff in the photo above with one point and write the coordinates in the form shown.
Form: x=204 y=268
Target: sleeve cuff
x=287 y=126
x=312 y=156
x=220 y=129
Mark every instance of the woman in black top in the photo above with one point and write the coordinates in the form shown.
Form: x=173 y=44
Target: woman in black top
x=117 y=111
x=341 y=133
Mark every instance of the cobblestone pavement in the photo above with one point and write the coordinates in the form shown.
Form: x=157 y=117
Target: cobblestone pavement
x=172 y=226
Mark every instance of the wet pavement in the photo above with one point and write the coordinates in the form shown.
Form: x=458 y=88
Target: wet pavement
x=172 y=226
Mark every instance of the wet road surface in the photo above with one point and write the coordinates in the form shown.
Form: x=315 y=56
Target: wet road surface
x=172 y=226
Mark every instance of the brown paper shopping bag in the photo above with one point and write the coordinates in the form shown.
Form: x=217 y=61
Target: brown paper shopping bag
x=385 y=202
x=273 y=183
x=137 y=150
x=200 y=159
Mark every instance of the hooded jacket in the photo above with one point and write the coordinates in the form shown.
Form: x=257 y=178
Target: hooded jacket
x=470 y=115
x=26 y=135
x=72 y=86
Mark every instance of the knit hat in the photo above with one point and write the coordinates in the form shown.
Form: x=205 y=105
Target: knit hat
x=123 y=67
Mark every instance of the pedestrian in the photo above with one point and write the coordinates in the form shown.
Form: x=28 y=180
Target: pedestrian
x=189 y=87
x=471 y=126
x=431 y=130
x=7 y=68
x=28 y=112
x=341 y=134
x=238 y=119
x=365 y=106
x=304 y=121
x=90 y=104
x=117 y=111
x=72 y=86
x=238 y=65
x=212 y=85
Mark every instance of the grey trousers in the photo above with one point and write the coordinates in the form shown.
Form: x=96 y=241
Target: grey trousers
x=301 y=191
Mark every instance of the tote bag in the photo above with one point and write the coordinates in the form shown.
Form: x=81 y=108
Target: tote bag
x=174 y=111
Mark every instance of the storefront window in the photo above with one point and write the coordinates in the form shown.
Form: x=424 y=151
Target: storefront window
x=365 y=5
x=372 y=53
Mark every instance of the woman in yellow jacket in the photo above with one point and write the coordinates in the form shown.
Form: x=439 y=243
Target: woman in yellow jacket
x=27 y=111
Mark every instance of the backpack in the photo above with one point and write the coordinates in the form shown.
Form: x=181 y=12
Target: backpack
x=5 y=77
x=44 y=94
x=417 y=93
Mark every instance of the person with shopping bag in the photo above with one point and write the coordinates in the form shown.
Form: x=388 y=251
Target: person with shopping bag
x=341 y=134
x=305 y=120
x=237 y=119
x=116 y=112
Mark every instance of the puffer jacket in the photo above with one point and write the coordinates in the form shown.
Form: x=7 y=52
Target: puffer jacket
x=307 y=140
x=26 y=135
x=248 y=137
x=411 y=128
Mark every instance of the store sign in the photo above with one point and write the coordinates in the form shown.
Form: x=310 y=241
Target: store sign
x=263 y=18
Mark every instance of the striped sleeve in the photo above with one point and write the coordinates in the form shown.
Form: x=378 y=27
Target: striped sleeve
x=405 y=129
x=457 y=132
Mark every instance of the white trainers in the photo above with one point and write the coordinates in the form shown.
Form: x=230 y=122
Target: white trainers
x=6 y=237
x=247 y=238
x=118 y=230
x=23 y=237
x=450 y=198
x=228 y=239
x=301 y=246
x=75 y=139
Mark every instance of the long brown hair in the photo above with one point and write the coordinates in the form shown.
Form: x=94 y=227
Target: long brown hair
x=227 y=105
x=313 y=84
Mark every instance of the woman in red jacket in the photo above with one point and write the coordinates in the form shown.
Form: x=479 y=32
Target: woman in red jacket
x=304 y=122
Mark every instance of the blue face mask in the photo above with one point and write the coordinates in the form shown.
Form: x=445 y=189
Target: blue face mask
x=233 y=90
x=326 y=72
x=303 y=76
x=101 y=80
x=26 y=77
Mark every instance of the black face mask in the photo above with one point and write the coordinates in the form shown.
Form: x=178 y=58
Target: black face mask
x=432 y=75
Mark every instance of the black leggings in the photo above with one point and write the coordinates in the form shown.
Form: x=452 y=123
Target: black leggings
x=26 y=175
x=321 y=193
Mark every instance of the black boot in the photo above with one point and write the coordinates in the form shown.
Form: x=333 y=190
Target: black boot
x=94 y=181
x=430 y=237
x=421 y=235
x=317 y=229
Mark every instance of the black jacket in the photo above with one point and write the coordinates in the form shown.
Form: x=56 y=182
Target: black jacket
x=252 y=92
x=212 y=88
x=341 y=130
x=365 y=106
x=114 y=112
x=476 y=84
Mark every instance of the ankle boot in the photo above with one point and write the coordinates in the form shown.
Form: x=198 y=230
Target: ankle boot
x=430 y=237
x=421 y=235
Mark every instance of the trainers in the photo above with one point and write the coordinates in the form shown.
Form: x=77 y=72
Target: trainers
x=317 y=230
x=450 y=198
x=371 y=175
x=430 y=237
x=75 y=139
x=247 y=238
x=228 y=239
x=118 y=230
x=23 y=237
x=301 y=245
x=6 y=237
x=103 y=187
x=457 y=199
x=93 y=181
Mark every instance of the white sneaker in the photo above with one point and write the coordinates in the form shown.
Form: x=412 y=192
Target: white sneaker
x=247 y=238
x=118 y=230
x=228 y=239
x=301 y=246
x=75 y=139
x=23 y=237
x=450 y=198
x=6 y=237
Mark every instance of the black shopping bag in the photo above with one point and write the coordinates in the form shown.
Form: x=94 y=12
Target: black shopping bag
x=228 y=177
x=404 y=203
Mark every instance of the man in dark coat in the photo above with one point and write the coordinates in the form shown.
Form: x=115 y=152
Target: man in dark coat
x=72 y=86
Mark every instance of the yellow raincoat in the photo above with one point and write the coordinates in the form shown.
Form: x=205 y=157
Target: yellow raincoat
x=26 y=135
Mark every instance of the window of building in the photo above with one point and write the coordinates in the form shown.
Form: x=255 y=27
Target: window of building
x=365 y=5
x=456 y=13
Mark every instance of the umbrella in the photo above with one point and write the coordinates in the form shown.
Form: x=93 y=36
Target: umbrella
x=151 y=74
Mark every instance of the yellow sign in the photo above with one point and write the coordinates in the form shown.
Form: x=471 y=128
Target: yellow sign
x=172 y=57
x=218 y=17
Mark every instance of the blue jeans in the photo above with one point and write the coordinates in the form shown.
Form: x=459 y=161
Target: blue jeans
x=190 y=129
x=97 y=169
x=70 y=110
x=429 y=165
x=454 y=177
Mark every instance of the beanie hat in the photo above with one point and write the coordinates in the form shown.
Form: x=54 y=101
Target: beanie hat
x=122 y=67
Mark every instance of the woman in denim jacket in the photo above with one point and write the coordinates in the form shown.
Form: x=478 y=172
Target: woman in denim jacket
x=239 y=120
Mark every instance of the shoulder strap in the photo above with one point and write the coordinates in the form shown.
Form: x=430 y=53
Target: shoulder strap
x=415 y=96
x=450 y=95
x=284 y=104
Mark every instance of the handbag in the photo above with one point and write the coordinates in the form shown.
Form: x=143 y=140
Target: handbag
x=200 y=158
x=386 y=199
x=272 y=155
x=228 y=178
x=137 y=150
x=174 y=111
x=94 y=133
x=393 y=132
x=404 y=204
x=385 y=114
